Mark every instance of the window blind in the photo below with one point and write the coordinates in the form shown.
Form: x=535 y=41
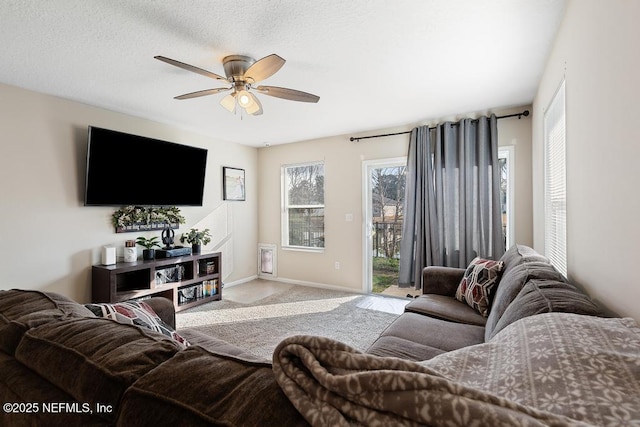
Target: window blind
x=555 y=197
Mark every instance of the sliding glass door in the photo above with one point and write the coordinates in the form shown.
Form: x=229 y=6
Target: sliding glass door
x=383 y=204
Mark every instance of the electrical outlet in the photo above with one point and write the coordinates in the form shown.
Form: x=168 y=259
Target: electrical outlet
x=337 y=265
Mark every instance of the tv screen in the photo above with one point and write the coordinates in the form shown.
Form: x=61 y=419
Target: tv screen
x=125 y=169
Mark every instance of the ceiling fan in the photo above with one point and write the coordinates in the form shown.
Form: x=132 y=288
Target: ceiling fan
x=243 y=72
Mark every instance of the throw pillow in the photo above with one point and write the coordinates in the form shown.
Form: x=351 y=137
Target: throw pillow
x=136 y=313
x=478 y=282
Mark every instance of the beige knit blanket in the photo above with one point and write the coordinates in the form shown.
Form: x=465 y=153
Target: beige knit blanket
x=551 y=369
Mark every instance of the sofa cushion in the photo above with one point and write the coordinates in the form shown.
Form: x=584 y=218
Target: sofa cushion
x=446 y=308
x=216 y=345
x=441 y=280
x=518 y=254
x=546 y=296
x=390 y=346
x=478 y=282
x=200 y=388
x=20 y=384
x=436 y=333
x=16 y=303
x=512 y=282
x=136 y=313
x=94 y=360
x=22 y=310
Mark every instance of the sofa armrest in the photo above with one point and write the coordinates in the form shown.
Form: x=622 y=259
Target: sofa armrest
x=164 y=309
x=441 y=280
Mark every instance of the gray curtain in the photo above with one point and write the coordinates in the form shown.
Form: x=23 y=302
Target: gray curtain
x=452 y=202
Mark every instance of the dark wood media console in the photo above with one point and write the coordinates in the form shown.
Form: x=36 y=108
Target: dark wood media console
x=187 y=280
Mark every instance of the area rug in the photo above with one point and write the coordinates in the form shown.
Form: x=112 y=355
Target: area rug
x=260 y=326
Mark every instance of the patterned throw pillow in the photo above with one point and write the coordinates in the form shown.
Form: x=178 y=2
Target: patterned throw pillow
x=136 y=313
x=478 y=282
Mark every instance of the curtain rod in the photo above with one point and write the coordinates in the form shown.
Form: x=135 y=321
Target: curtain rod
x=518 y=115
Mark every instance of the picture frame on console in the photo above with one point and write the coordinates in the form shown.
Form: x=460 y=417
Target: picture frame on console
x=233 y=184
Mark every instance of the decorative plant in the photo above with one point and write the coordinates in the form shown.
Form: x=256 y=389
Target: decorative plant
x=148 y=243
x=169 y=215
x=127 y=215
x=131 y=215
x=196 y=237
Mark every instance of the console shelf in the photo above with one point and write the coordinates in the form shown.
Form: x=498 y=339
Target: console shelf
x=186 y=280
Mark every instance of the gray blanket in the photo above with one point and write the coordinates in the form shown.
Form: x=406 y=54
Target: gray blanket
x=551 y=369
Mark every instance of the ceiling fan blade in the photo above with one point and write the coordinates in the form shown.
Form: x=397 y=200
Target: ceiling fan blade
x=190 y=68
x=202 y=93
x=264 y=68
x=255 y=107
x=290 y=94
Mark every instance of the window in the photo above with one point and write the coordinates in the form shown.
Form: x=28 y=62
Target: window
x=303 y=206
x=555 y=182
x=506 y=159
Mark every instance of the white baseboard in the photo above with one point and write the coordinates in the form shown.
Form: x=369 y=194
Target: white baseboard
x=240 y=281
x=294 y=282
x=315 y=285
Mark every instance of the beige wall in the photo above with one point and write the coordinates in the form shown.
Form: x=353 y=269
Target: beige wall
x=49 y=240
x=343 y=195
x=596 y=52
x=517 y=133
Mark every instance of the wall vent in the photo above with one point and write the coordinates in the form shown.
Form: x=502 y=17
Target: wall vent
x=267 y=260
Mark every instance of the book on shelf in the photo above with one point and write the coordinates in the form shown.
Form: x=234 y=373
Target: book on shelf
x=206 y=267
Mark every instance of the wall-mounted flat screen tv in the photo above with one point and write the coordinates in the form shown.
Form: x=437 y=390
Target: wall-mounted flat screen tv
x=125 y=169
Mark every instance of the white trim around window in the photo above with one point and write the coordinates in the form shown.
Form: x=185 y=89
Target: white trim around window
x=508 y=152
x=310 y=208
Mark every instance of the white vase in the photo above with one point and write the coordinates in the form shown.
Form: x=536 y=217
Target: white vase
x=130 y=254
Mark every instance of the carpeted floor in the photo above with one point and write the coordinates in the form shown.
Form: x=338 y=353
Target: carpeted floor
x=258 y=326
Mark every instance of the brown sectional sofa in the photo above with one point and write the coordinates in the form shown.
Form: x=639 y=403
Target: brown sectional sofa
x=61 y=365
x=436 y=322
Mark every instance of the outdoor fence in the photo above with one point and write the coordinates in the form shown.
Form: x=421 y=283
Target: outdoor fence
x=309 y=235
x=386 y=239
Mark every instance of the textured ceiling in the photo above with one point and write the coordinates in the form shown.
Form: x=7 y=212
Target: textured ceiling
x=374 y=63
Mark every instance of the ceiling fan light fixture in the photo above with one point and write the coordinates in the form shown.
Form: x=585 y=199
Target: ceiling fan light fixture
x=229 y=102
x=243 y=98
x=255 y=107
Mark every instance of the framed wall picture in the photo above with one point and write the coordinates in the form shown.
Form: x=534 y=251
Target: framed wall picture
x=233 y=184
